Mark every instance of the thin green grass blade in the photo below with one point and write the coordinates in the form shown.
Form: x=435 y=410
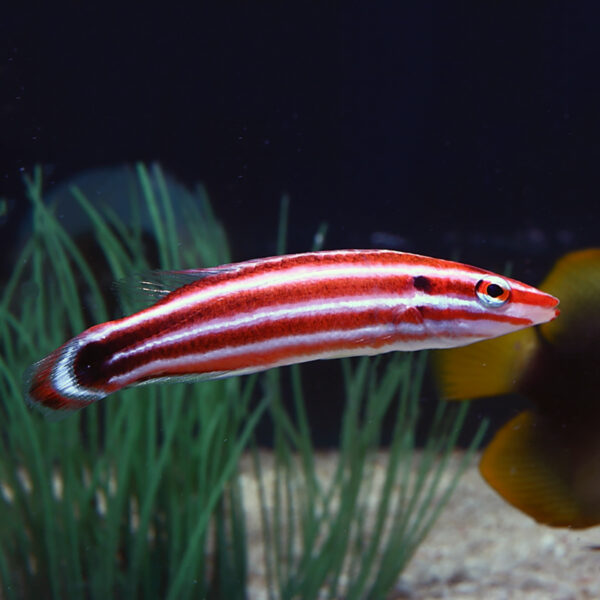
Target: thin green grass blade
x=113 y=250
x=156 y=217
x=151 y=489
x=192 y=550
x=170 y=223
x=284 y=211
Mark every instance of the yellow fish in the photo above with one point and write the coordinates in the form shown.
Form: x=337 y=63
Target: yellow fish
x=544 y=461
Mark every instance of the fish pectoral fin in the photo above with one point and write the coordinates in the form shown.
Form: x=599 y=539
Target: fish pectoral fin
x=530 y=467
x=409 y=314
x=487 y=368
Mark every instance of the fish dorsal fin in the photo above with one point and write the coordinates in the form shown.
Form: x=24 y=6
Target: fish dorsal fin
x=141 y=290
x=575 y=280
x=531 y=467
x=487 y=368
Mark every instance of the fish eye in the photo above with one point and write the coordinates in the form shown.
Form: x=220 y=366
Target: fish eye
x=493 y=291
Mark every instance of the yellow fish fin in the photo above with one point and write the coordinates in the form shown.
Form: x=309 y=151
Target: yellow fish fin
x=530 y=468
x=575 y=279
x=487 y=368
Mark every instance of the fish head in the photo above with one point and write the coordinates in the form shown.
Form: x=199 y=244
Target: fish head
x=509 y=305
x=467 y=305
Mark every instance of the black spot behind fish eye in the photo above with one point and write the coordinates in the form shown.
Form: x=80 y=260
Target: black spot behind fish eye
x=494 y=290
x=422 y=283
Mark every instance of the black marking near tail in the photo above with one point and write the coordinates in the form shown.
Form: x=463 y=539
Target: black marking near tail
x=89 y=365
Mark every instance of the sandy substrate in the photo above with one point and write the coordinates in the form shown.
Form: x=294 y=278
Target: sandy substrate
x=480 y=548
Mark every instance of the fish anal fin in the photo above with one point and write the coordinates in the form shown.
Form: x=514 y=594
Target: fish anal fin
x=530 y=466
x=487 y=368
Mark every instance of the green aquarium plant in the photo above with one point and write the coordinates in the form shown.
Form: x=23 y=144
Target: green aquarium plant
x=119 y=500
x=141 y=495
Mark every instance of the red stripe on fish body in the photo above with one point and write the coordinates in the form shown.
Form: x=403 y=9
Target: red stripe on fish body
x=251 y=316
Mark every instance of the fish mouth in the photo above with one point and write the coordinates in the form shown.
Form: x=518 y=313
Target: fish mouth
x=547 y=307
x=554 y=305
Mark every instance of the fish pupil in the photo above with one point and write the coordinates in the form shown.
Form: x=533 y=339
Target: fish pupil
x=494 y=290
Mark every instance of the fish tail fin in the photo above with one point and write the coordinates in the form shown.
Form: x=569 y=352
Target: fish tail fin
x=50 y=388
x=487 y=368
x=528 y=464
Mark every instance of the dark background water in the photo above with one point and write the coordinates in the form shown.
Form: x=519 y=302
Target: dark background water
x=440 y=128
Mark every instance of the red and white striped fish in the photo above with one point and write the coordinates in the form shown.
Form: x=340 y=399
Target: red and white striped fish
x=247 y=317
